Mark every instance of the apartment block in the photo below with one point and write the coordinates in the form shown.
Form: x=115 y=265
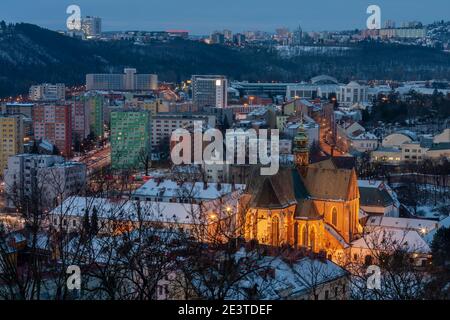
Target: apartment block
x=95 y=108
x=128 y=81
x=164 y=124
x=11 y=138
x=45 y=179
x=130 y=139
x=53 y=122
x=209 y=90
x=48 y=92
x=80 y=119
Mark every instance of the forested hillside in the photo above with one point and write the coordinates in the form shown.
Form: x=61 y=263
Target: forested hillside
x=30 y=54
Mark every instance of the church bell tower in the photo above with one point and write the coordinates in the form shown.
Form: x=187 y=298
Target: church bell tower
x=301 y=148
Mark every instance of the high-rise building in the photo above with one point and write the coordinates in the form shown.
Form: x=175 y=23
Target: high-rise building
x=129 y=80
x=80 y=119
x=209 y=90
x=130 y=139
x=217 y=38
x=239 y=39
x=228 y=34
x=11 y=138
x=48 y=92
x=94 y=107
x=53 y=122
x=352 y=93
x=92 y=27
x=298 y=36
x=46 y=179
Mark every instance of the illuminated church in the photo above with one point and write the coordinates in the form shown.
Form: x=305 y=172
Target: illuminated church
x=308 y=205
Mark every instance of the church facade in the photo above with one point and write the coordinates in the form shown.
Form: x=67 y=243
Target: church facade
x=314 y=206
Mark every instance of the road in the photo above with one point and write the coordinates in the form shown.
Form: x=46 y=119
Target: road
x=324 y=132
x=97 y=160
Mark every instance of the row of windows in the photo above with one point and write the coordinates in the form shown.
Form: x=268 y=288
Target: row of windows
x=413 y=150
x=327 y=293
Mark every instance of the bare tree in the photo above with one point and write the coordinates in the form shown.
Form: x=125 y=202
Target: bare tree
x=401 y=277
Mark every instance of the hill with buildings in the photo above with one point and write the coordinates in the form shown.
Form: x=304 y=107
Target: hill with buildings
x=30 y=54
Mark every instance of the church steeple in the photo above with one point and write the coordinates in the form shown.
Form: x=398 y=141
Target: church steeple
x=301 y=148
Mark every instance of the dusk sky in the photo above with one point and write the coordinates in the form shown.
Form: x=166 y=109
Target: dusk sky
x=205 y=16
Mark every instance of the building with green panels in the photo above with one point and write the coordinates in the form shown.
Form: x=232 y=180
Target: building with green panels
x=130 y=139
x=96 y=118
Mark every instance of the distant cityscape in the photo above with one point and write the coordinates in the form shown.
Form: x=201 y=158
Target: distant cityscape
x=435 y=35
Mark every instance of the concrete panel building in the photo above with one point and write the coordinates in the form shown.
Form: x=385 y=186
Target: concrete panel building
x=130 y=139
x=11 y=138
x=129 y=81
x=209 y=90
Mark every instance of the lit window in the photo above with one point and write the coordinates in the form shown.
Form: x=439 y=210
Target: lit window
x=334 y=217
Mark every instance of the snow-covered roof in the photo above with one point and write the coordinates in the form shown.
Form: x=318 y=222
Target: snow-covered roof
x=384 y=238
x=107 y=249
x=421 y=225
x=19 y=104
x=373 y=191
x=323 y=78
x=369 y=183
x=409 y=134
x=127 y=210
x=194 y=190
x=425 y=91
x=47 y=145
x=287 y=279
x=444 y=223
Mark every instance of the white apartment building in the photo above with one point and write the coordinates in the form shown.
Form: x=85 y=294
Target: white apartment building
x=364 y=142
x=91 y=27
x=352 y=93
x=311 y=91
x=44 y=178
x=413 y=151
x=48 y=92
x=351 y=136
x=164 y=124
